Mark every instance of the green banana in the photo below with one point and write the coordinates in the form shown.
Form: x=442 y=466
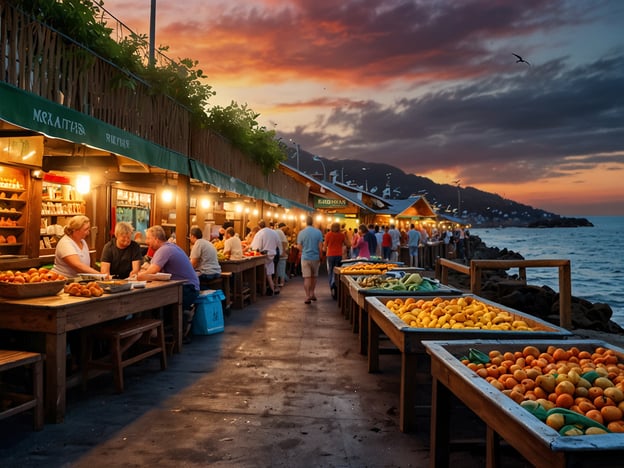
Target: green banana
x=576 y=419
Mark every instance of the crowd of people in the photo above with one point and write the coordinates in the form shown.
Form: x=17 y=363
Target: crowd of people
x=288 y=252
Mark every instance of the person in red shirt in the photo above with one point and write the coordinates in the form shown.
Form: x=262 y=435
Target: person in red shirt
x=334 y=241
x=386 y=244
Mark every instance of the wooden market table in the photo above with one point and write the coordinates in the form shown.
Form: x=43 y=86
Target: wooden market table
x=55 y=316
x=357 y=307
x=249 y=278
x=538 y=443
x=414 y=360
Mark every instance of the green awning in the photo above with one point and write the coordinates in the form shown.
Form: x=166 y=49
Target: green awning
x=205 y=173
x=35 y=113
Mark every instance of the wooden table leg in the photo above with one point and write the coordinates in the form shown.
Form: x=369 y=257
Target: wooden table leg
x=56 y=377
x=492 y=448
x=373 y=345
x=363 y=331
x=439 y=445
x=407 y=413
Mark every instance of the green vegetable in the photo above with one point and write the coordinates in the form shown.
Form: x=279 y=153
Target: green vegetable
x=535 y=409
x=574 y=418
x=478 y=357
x=414 y=278
x=590 y=376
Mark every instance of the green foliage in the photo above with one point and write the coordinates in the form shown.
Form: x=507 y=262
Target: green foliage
x=239 y=125
x=83 y=22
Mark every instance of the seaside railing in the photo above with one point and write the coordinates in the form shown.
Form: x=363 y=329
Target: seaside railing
x=476 y=268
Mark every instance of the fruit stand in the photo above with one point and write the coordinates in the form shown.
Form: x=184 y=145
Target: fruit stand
x=408 y=339
x=360 y=288
x=53 y=316
x=249 y=277
x=539 y=443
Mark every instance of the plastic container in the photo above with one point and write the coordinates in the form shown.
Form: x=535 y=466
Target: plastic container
x=208 y=318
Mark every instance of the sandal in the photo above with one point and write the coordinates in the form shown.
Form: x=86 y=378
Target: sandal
x=313 y=298
x=307 y=301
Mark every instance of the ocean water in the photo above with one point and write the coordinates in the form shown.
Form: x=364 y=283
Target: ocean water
x=596 y=257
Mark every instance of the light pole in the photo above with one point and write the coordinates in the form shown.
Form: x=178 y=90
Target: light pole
x=456 y=182
x=296 y=151
x=152 y=58
x=318 y=159
x=365 y=179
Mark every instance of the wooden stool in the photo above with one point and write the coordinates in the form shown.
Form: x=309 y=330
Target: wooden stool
x=11 y=360
x=222 y=283
x=130 y=341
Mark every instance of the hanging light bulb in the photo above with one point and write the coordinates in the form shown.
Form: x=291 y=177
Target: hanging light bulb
x=83 y=183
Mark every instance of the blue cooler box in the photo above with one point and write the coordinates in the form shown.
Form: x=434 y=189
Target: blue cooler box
x=209 y=314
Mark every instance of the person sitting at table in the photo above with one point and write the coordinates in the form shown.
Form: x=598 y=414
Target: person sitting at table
x=121 y=256
x=72 y=252
x=170 y=258
x=203 y=256
x=232 y=247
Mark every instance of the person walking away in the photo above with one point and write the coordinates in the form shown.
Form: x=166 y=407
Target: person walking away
x=396 y=241
x=170 y=258
x=267 y=241
x=413 y=239
x=379 y=238
x=310 y=243
x=386 y=244
x=335 y=240
x=121 y=256
x=346 y=251
x=203 y=257
x=280 y=274
x=355 y=238
x=371 y=239
x=232 y=247
x=362 y=245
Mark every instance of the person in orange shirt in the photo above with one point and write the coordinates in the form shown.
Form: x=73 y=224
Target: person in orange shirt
x=334 y=241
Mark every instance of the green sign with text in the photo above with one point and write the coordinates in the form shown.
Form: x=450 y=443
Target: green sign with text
x=329 y=203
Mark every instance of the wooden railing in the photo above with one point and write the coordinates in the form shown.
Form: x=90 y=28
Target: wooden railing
x=476 y=268
x=37 y=59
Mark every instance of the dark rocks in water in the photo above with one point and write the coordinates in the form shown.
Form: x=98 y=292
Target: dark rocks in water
x=539 y=301
x=560 y=222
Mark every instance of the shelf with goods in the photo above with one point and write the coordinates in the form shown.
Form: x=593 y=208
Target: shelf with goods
x=13 y=207
x=59 y=202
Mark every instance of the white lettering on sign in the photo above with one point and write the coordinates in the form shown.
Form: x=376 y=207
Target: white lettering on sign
x=51 y=120
x=118 y=141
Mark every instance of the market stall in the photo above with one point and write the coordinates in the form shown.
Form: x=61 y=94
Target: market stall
x=537 y=442
x=54 y=316
x=384 y=317
x=249 y=277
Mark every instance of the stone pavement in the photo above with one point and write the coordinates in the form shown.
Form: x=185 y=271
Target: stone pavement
x=282 y=386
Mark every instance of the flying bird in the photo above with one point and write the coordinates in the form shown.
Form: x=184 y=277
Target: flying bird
x=520 y=59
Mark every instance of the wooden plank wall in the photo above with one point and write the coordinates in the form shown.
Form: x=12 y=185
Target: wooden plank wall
x=40 y=61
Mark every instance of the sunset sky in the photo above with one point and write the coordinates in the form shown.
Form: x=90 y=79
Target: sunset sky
x=431 y=87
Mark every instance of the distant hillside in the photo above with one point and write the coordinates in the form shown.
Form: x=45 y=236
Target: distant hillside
x=476 y=206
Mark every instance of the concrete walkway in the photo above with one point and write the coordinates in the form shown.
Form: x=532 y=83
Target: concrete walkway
x=283 y=386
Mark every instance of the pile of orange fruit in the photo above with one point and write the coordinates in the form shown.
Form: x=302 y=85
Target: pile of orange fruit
x=588 y=382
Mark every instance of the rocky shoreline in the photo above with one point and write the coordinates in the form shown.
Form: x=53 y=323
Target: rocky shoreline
x=539 y=301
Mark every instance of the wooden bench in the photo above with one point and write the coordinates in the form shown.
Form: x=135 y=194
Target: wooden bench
x=222 y=283
x=130 y=341
x=22 y=401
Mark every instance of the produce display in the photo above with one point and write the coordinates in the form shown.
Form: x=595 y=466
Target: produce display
x=455 y=313
x=409 y=282
x=91 y=289
x=367 y=268
x=574 y=391
x=33 y=275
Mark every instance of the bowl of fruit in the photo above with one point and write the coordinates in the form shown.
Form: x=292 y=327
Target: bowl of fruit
x=32 y=283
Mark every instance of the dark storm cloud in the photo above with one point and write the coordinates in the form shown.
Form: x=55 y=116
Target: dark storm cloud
x=535 y=120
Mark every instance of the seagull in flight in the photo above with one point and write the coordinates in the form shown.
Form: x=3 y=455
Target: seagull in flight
x=520 y=59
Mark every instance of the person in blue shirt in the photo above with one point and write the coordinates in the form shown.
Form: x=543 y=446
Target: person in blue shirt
x=413 y=239
x=310 y=243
